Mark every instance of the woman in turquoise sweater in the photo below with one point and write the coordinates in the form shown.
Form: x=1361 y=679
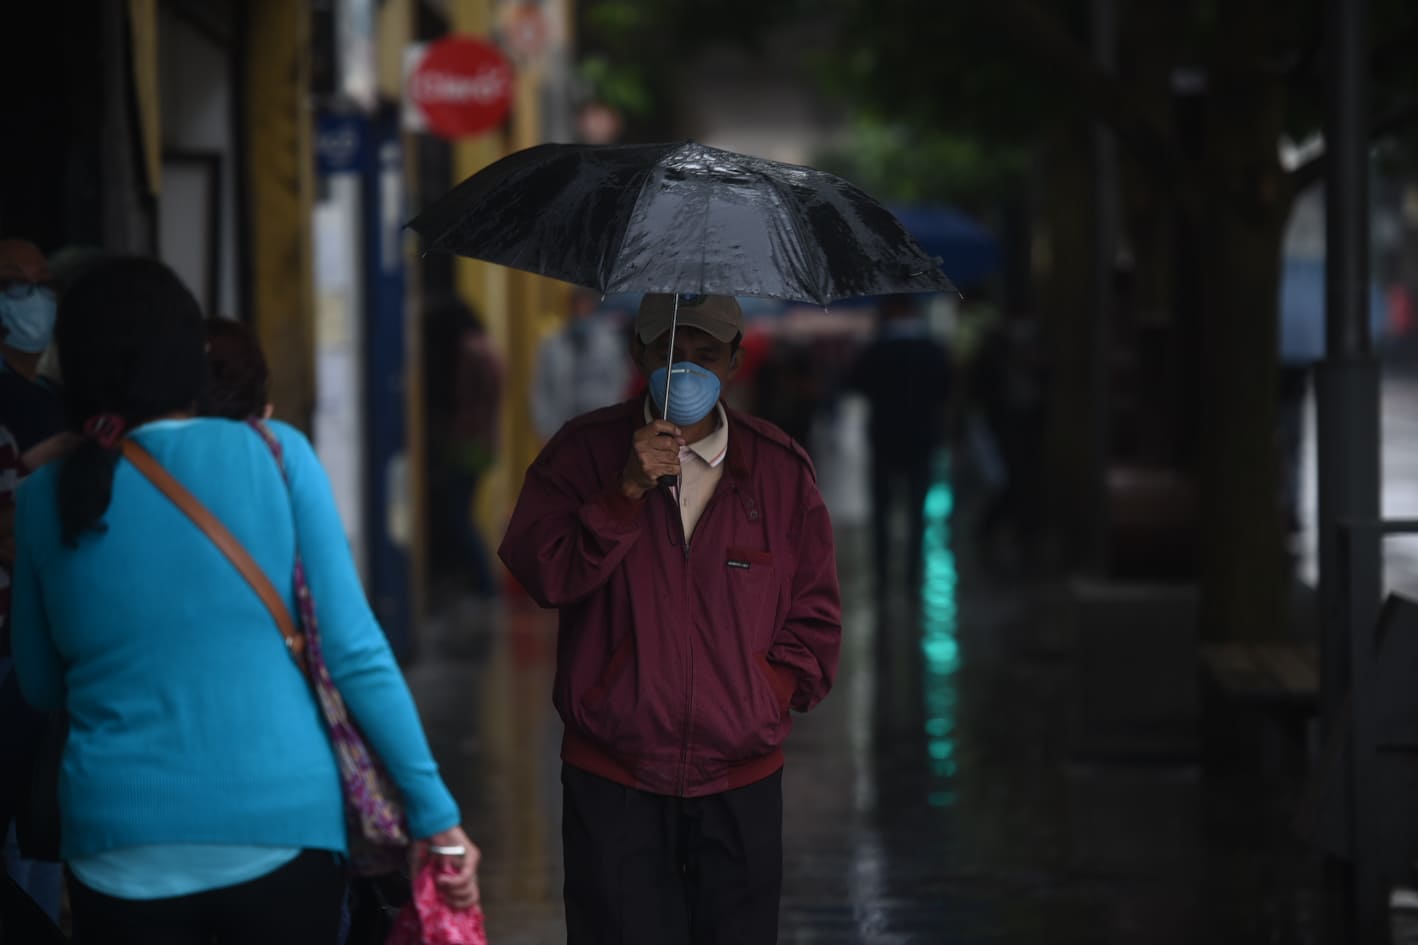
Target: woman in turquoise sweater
x=199 y=793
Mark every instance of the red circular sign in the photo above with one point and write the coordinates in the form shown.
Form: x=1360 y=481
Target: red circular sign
x=463 y=86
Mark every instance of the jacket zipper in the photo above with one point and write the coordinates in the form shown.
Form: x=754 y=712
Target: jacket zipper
x=674 y=499
x=689 y=637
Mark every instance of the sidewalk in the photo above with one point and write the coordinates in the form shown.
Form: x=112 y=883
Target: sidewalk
x=932 y=798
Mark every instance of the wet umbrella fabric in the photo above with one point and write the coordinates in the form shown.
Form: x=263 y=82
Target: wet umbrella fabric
x=682 y=218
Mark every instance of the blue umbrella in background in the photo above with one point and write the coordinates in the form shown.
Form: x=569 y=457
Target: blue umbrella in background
x=969 y=252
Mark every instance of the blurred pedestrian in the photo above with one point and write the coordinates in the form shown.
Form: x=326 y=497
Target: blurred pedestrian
x=464 y=401
x=1007 y=390
x=579 y=368
x=31 y=417
x=33 y=412
x=65 y=265
x=693 y=617
x=787 y=388
x=200 y=799
x=238 y=388
x=239 y=382
x=905 y=375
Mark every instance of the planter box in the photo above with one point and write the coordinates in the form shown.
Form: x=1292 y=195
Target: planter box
x=1136 y=653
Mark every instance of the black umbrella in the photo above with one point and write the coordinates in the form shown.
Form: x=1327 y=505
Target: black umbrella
x=679 y=218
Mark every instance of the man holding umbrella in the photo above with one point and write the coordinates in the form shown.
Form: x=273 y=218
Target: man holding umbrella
x=691 y=559
x=690 y=556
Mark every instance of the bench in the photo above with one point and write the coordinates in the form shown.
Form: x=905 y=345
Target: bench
x=1285 y=675
x=1135 y=648
x=1259 y=700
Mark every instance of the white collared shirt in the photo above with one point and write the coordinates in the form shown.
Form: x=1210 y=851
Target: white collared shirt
x=701 y=466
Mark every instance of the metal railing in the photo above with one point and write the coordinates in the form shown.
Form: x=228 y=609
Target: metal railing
x=1369 y=822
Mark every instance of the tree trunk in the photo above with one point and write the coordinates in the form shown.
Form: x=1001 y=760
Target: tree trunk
x=1241 y=555
x=1068 y=304
x=1240 y=224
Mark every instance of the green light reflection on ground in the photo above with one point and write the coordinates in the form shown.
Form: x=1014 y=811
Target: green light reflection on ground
x=938 y=631
x=941 y=798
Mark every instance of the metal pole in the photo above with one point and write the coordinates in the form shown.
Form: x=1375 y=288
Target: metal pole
x=1103 y=17
x=1347 y=394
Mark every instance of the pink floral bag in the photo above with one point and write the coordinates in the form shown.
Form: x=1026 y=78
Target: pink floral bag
x=428 y=920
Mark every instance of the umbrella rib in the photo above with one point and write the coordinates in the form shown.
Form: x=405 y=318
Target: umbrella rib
x=625 y=230
x=704 y=246
x=443 y=234
x=792 y=214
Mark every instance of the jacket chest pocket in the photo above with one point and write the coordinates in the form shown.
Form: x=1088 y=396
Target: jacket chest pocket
x=751 y=583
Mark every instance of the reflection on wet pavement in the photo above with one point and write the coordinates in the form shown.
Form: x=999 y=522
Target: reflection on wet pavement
x=931 y=799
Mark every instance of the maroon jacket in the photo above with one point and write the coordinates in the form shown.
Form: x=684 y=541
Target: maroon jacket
x=677 y=664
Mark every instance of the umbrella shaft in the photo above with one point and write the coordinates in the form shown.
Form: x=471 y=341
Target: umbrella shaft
x=670 y=357
x=669 y=375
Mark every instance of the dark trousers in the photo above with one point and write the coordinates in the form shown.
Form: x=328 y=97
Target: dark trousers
x=21 y=737
x=646 y=869
x=298 y=904
x=904 y=480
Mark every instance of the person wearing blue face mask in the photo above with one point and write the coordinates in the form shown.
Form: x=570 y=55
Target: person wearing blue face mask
x=27 y=306
x=690 y=555
x=31 y=419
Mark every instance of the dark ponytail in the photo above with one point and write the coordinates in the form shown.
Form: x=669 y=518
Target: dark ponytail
x=85 y=488
x=131 y=345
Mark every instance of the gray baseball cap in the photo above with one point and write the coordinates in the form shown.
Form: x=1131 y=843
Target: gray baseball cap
x=719 y=315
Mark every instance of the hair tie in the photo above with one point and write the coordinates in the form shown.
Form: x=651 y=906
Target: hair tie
x=106 y=429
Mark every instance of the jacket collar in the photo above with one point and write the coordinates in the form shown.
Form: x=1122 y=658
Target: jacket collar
x=740 y=446
x=738 y=466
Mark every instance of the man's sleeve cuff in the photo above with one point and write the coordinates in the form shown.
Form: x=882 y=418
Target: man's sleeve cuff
x=620 y=507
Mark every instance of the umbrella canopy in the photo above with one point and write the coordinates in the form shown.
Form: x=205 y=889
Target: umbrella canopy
x=679 y=218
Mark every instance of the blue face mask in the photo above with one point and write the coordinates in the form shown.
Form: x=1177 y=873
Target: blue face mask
x=28 y=322
x=693 y=392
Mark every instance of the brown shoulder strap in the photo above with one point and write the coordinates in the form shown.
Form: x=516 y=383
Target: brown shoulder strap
x=224 y=540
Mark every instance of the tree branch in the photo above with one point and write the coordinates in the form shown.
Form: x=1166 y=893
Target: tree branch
x=1314 y=170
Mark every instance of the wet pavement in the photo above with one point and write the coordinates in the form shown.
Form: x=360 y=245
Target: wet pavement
x=937 y=796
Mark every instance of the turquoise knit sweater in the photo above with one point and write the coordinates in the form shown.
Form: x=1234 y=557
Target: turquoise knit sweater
x=189 y=723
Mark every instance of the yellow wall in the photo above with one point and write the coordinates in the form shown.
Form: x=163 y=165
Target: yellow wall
x=514 y=305
x=280 y=174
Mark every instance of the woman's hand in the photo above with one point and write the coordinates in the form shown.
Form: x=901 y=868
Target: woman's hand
x=458 y=888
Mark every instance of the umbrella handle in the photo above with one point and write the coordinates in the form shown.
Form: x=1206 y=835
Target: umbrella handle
x=670 y=481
